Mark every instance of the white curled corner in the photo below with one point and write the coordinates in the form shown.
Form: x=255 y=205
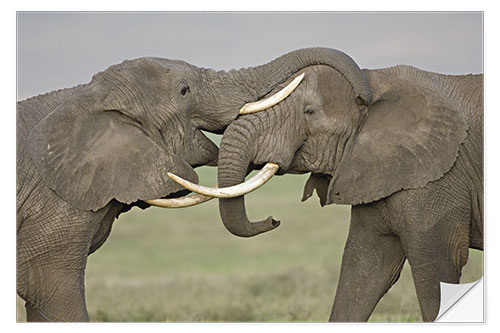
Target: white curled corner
x=461 y=303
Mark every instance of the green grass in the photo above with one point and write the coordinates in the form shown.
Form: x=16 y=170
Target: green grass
x=182 y=265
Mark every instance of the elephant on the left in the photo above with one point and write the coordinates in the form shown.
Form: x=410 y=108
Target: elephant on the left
x=88 y=153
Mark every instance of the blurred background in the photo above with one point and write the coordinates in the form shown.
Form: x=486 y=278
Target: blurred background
x=182 y=265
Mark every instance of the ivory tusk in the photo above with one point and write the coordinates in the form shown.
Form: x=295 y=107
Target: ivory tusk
x=266 y=103
x=248 y=186
x=187 y=201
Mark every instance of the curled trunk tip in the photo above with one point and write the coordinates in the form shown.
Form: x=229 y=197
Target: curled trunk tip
x=245 y=228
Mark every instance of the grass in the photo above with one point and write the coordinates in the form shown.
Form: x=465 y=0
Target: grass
x=183 y=266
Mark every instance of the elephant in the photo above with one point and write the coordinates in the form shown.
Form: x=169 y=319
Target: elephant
x=86 y=154
x=404 y=148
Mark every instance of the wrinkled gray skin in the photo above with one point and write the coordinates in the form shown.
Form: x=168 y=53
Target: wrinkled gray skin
x=409 y=162
x=88 y=153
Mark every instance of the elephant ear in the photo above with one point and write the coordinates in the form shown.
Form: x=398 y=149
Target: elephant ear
x=409 y=138
x=89 y=152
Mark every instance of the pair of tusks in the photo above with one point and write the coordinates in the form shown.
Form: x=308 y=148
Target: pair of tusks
x=204 y=193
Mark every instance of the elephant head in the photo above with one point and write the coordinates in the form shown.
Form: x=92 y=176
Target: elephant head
x=357 y=150
x=118 y=136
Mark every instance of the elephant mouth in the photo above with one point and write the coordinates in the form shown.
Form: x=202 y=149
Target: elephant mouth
x=182 y=198
x=177 y=194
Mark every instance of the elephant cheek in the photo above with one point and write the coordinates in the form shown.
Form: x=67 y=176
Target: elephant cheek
x=212 y=158
x=299 y=164
x=207 y=154
x=200 y=150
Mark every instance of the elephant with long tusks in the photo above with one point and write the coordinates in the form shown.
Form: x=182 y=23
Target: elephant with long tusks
x=403 y=146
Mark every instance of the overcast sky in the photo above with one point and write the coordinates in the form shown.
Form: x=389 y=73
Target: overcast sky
x=59 y=50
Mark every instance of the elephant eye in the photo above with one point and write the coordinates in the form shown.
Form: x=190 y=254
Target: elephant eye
x=309 y=111
x=184 y=90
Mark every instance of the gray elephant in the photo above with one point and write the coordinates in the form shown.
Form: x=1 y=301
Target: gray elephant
x=403 y=146
x=89 y=153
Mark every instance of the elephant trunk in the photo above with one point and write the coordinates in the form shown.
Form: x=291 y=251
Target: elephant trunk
x=236 y=155
x=229 y=91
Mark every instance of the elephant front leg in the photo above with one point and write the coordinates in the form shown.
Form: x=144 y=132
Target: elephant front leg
x=373 y=259
x=436 y=254
x=52 y=249
x=60 y=298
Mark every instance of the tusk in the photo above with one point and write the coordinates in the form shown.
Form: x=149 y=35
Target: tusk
x=266 y=103
x=187 y=201
x=233 y=191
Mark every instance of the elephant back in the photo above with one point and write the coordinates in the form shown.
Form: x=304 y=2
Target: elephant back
x=461 y=92
x=32 y=110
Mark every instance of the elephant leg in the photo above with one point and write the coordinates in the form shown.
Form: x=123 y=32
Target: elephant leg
x=34 y=315
x=65 y=301
x=52 y=248
x=436 y=255
x=372 y=261
x=435 y=236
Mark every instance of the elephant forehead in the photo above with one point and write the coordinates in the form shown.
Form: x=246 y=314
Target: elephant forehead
x=336 y=95
x=331 y=83
x=141 y=71
x=309 y=81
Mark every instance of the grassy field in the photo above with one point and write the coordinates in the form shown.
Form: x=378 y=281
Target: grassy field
x=183 y=266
